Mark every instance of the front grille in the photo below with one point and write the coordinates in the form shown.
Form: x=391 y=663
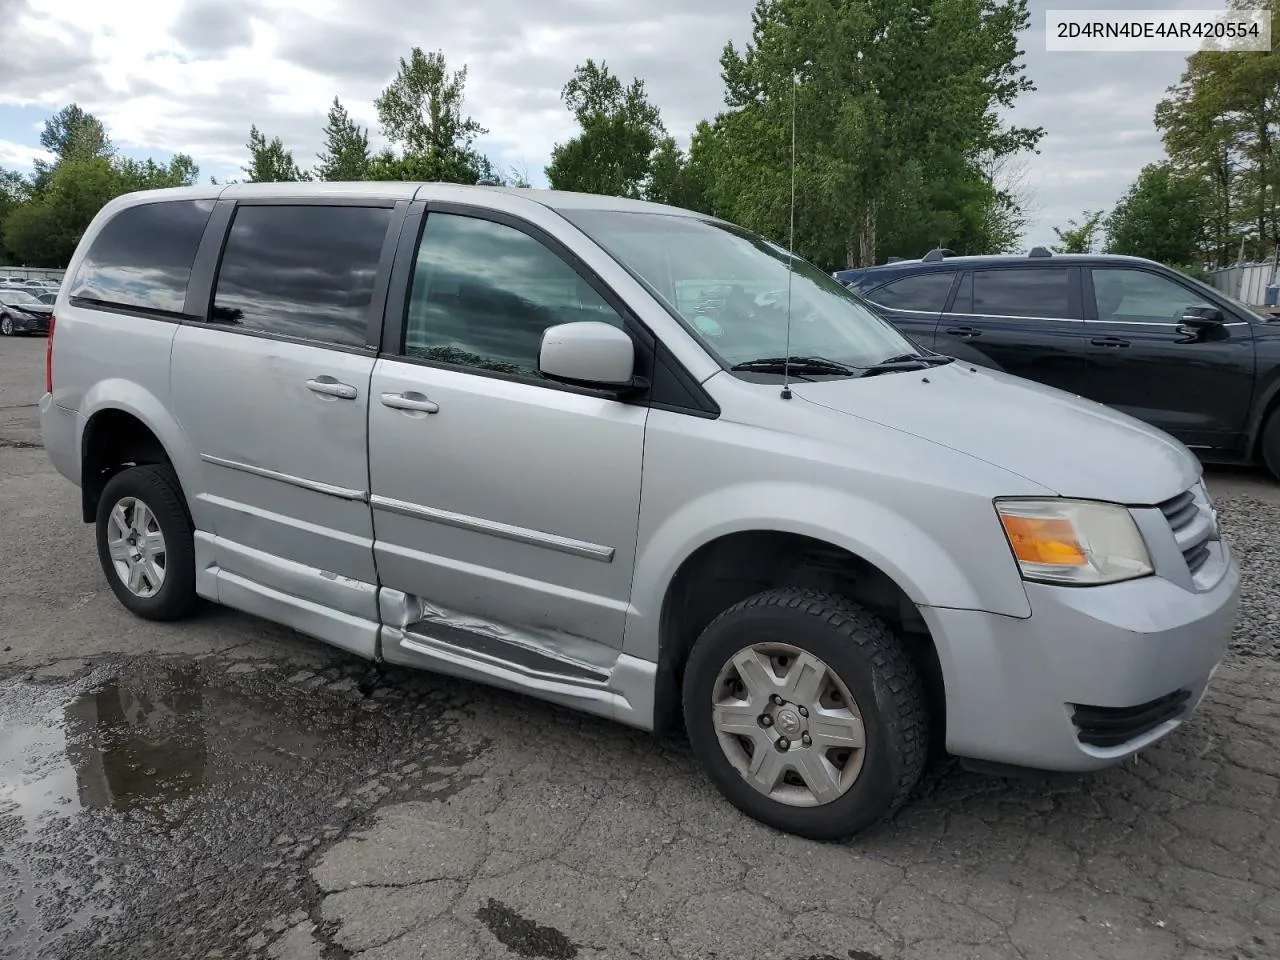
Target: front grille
x=1113 y=726
x=1191 y=525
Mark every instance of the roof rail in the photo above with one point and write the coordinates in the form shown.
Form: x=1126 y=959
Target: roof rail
x=895 y=259
x=936 y=254
x=488 y=182
x=1040 y=252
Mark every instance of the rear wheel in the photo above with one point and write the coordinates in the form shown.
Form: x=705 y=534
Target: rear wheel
x=806 y=712
x=146 y=543
x=1271 y=443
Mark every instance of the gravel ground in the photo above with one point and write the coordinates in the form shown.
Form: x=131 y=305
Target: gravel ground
x=1252 y=526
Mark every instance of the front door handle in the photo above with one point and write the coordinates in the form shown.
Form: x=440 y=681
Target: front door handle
x=964 y=333
x=329 y=387
x=1113 y=342
x=411 y=401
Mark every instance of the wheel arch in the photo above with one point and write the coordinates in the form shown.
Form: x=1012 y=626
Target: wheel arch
x=126 y=426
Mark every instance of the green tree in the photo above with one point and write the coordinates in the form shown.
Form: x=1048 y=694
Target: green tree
x=71 y=133
x=895 y=106
x=1080 y=236
x=44 y=232
x=421 y=113
x=1161 y=217
x=346 y=147
x=269 y=161
x=620 y=131
x=14 y=192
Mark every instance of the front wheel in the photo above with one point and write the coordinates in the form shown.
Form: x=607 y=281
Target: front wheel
x=806 y=712
x=146 y=543
x=1271 y=443
x=6 y=325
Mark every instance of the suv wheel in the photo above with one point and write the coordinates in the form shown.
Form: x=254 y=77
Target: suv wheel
x=806 y=712
x=1271 y=443
x=145 y=543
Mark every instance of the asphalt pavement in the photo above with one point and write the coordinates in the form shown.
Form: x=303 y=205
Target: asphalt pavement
x=219 y=788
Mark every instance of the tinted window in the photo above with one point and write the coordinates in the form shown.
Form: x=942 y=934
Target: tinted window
x=484 y=292
x=926 y=293
x=1023 y=293
x=302 y=271
x=1135 y=296
x=142 y=257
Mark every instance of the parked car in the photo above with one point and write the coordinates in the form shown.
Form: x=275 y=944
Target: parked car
x=22 y=312
x=1127 y=332
x=550 y=442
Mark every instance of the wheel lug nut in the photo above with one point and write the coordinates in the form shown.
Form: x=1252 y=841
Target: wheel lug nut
x=766 y=720
x=777 y=700
x=783 y=744
x=804 y=712
x=806 y=740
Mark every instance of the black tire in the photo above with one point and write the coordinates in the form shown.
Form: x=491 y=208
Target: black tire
x=158 y=488
x=871 y=663
x=6 y=322
x=1270 y=443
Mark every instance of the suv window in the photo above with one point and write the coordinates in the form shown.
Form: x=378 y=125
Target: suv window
x=1019 y=292
x=303 y=271
x=483 y=292
x=924 y=293
x=1136 y=296
x=142 y=257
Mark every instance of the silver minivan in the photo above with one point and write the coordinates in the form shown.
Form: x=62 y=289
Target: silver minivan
x=634 y=460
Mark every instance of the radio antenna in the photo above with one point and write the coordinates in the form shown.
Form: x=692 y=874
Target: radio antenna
x=791 y=246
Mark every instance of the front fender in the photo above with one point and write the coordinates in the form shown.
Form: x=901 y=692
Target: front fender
x=984 y=577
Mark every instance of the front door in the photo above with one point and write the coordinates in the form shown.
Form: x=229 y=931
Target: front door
x=1197 y=388
x=273 y=393
x=505 y=506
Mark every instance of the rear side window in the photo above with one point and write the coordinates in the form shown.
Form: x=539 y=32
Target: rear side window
x=142 y=257
x=301 y=271
x=924 y=293
x=1035 y=292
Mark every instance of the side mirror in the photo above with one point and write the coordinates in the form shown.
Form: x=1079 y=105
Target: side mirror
x=588 y=353
x=1202 y=316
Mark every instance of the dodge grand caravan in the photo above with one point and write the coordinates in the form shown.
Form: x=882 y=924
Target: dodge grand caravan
x=610 y=454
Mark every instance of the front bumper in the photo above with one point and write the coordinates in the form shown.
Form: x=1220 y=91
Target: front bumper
x=1094 y=675
x=23 y=323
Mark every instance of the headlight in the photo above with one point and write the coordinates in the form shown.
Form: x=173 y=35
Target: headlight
x=1079 y=542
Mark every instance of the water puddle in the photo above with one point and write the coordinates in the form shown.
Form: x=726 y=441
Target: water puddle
x=132 y=796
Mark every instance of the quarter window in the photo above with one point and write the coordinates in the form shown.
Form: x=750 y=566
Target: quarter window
x=484 y=292
x=923 y=293
x=1135 y=296
x=301 y=271
x=1023 y=292
x=142 y=256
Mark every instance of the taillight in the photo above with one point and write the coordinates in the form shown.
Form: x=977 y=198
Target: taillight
x=48 y=357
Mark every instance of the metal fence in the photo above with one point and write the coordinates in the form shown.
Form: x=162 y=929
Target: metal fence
x=1247 y=282
x=32 y=273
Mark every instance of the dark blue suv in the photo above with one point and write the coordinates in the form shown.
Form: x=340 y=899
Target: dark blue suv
x=1127 y=332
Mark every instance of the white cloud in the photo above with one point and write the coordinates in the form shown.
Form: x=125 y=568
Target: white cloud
x=20 y=156
x=192 y=75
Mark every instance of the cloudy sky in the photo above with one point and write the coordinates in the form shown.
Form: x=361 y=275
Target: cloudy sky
x=192 y=75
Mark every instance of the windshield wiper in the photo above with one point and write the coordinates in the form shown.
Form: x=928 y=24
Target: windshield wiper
x=906 y=361
x=800 y=365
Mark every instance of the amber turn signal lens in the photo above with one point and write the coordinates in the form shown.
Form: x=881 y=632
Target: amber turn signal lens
x=1050 y=540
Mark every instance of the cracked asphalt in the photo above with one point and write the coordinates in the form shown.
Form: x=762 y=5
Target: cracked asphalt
x=220 y=789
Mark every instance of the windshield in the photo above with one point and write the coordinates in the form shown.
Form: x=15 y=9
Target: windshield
x=730 y=287
x=17 y=296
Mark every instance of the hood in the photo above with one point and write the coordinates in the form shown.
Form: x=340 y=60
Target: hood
x=37 y=309
x=1073 y=446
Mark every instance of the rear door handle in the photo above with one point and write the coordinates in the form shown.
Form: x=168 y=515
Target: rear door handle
x=1114 y=342
x=329 y=387
x=411 y=401
x=964 y=333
